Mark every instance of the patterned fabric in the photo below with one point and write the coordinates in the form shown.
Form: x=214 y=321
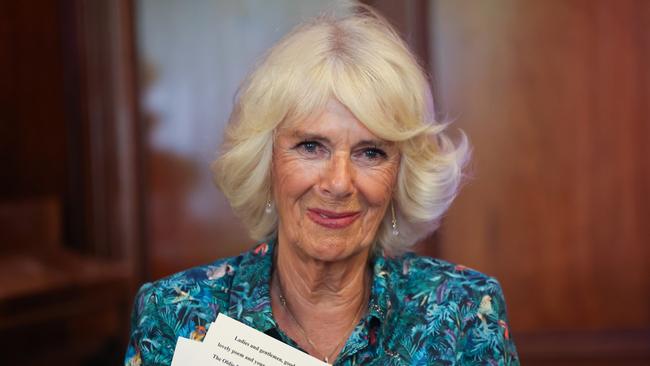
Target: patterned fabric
x=422 y=311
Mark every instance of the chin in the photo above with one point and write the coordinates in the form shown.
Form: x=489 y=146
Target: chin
x=332 y=248
x=326 y=252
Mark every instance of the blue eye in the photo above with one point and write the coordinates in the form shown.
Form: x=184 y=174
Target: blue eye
x=370 y=156
x=310 y=148
x=374 y=153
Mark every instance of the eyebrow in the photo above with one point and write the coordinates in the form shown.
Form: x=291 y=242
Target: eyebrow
x=376 y=143
x=310 y=136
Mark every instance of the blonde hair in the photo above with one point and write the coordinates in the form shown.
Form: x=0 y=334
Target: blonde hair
x=359 y=60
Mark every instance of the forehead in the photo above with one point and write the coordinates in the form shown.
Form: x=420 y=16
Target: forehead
x=333 y=121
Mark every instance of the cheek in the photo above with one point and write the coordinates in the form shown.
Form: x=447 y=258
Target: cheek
x=292 y=177
x=377 y=184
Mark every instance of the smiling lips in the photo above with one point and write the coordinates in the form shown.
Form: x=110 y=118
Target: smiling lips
x=332 y=220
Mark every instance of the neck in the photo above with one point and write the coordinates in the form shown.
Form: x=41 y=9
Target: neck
x=313 y=284
x=324 y=300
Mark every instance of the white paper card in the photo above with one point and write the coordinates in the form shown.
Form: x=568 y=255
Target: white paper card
x=191 y=353
x=236 y=344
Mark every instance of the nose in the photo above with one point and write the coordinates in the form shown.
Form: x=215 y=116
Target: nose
x=337 y=178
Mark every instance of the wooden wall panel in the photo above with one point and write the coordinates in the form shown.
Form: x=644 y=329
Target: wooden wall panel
x=554 y=96
x=32 y=117
x=67 y=181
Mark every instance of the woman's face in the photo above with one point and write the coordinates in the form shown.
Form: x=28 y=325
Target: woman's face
x=332 y=184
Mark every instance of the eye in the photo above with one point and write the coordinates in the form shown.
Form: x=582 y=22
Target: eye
x=374 y=153
x=371 y=155
x=310 y=148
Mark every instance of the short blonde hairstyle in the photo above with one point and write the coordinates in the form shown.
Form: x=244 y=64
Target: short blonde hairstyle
x=359 y=60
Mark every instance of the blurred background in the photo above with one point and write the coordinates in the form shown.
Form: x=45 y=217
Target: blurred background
x=112 y=110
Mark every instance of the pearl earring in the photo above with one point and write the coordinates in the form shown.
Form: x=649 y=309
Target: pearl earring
x=269 y=207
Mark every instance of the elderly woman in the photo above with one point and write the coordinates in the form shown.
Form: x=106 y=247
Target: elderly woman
x=333 y=160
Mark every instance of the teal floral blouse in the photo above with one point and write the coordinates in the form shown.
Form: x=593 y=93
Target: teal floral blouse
x=422 y=311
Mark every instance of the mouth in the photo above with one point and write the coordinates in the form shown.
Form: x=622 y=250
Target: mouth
x=331 y=219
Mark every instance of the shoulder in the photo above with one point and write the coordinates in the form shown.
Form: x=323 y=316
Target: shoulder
x=182 y=304
x=195 y=287
x=456 y=307
x=417 y=276
x=431 y=282
x=196 y=284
